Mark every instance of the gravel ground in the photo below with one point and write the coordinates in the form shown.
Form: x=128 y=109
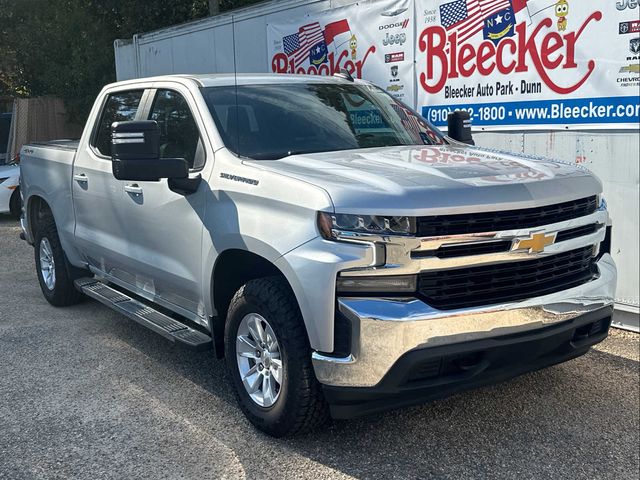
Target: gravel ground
x=86 y=393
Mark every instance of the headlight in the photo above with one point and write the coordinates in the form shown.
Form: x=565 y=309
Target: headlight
x=3 y=179
x=329 y=223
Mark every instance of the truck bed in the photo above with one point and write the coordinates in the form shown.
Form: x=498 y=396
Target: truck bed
x=46 y=170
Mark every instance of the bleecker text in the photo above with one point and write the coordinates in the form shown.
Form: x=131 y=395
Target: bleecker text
x=281 y=63
x=544 y=49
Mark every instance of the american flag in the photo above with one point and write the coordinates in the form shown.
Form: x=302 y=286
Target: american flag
x=467 y=16
x=410 y=122
x=297 y=45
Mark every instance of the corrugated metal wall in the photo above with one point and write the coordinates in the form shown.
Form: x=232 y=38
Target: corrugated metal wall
x=614 y=157
x=206 y=46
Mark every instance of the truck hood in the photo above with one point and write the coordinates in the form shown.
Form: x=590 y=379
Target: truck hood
x=432 y=180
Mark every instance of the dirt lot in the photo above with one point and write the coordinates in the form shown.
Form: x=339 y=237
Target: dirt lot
x=86 y=393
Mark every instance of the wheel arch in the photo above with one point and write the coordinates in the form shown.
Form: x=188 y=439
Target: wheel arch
x=232 y=269
x=15 y=203
x=35 y=208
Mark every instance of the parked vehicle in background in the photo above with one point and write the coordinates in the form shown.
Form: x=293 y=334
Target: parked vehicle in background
x=5 y=127
x=10 y=199
x=341 y=253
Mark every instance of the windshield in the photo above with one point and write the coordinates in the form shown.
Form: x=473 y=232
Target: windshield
x=268 y=122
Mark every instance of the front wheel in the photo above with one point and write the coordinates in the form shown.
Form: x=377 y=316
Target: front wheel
x=269 y=358
x=52 y=267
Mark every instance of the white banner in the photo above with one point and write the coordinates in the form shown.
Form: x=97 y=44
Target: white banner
x=529 y=63
x=372 y=40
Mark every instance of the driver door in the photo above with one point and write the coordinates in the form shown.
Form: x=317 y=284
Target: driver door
x=163 y=227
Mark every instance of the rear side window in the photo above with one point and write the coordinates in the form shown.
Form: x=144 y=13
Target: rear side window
x=119 y=107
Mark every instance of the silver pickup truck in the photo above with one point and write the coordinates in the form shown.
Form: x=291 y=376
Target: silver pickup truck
x=342 y=254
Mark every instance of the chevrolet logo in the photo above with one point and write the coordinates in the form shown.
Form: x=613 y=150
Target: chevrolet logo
x=631 y=68
x=535 y=243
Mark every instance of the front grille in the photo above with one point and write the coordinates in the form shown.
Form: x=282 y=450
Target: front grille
x=440 y=225
x=466 y=249
x=498 y=246
x=505 y=282
x=576 y=232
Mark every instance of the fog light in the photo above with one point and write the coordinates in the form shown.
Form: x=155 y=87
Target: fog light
x=390 y=284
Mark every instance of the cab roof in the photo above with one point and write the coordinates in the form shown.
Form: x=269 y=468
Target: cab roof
x=228 y=79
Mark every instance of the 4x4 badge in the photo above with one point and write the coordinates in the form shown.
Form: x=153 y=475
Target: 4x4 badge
x=536 y=243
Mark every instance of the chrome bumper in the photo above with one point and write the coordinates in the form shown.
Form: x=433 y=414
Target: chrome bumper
x=384 y=329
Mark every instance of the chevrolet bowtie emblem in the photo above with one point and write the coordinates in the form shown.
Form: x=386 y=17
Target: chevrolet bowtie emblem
x=536 y=242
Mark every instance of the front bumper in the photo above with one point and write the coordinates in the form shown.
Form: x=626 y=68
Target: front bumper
x=386 y=329
x=431 y=373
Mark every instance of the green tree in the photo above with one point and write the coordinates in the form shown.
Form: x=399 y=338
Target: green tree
x=65 y=47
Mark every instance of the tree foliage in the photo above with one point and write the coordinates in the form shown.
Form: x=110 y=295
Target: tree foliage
x=65 y=47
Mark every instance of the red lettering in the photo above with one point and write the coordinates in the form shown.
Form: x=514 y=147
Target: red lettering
x=529 y=45
x=453 y=55
x=503 y=67
x=279 y=63
x=573 y=37
x=350 y=67
x=550 y=45
x=467 y=54
x=486 y=51
x=434 y=48
x=541 y=48
x=360 y=63
x=428 y=155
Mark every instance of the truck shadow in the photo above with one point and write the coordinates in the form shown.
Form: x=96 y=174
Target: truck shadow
x=549 y=423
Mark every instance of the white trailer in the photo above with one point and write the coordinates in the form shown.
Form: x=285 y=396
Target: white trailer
x=237 y=40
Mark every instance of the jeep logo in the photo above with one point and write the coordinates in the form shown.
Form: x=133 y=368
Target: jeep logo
x=624 y=4
x=397 y=39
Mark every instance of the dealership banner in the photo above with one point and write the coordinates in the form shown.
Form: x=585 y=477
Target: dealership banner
x=372 y=40
x=529 y=63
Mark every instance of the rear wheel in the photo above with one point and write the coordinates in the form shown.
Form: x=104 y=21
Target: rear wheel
x=53 y=269
x=269 y=358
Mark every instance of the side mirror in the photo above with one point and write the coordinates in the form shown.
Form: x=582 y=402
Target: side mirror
x=459 y=126
x=135 y=153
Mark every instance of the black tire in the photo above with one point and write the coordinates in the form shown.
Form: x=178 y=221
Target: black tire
x=15 y=204
x=300 y=406
x=63 y=293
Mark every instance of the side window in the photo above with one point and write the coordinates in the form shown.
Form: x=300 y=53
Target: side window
x=120 y=107
x=179 y=136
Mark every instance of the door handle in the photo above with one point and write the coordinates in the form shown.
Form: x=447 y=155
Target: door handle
x=82 y=178
x=133 y=188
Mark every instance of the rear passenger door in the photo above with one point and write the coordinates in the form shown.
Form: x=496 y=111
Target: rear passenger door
x=98 y=229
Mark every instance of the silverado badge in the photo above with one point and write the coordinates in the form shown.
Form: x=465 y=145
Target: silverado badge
x=535 y=243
